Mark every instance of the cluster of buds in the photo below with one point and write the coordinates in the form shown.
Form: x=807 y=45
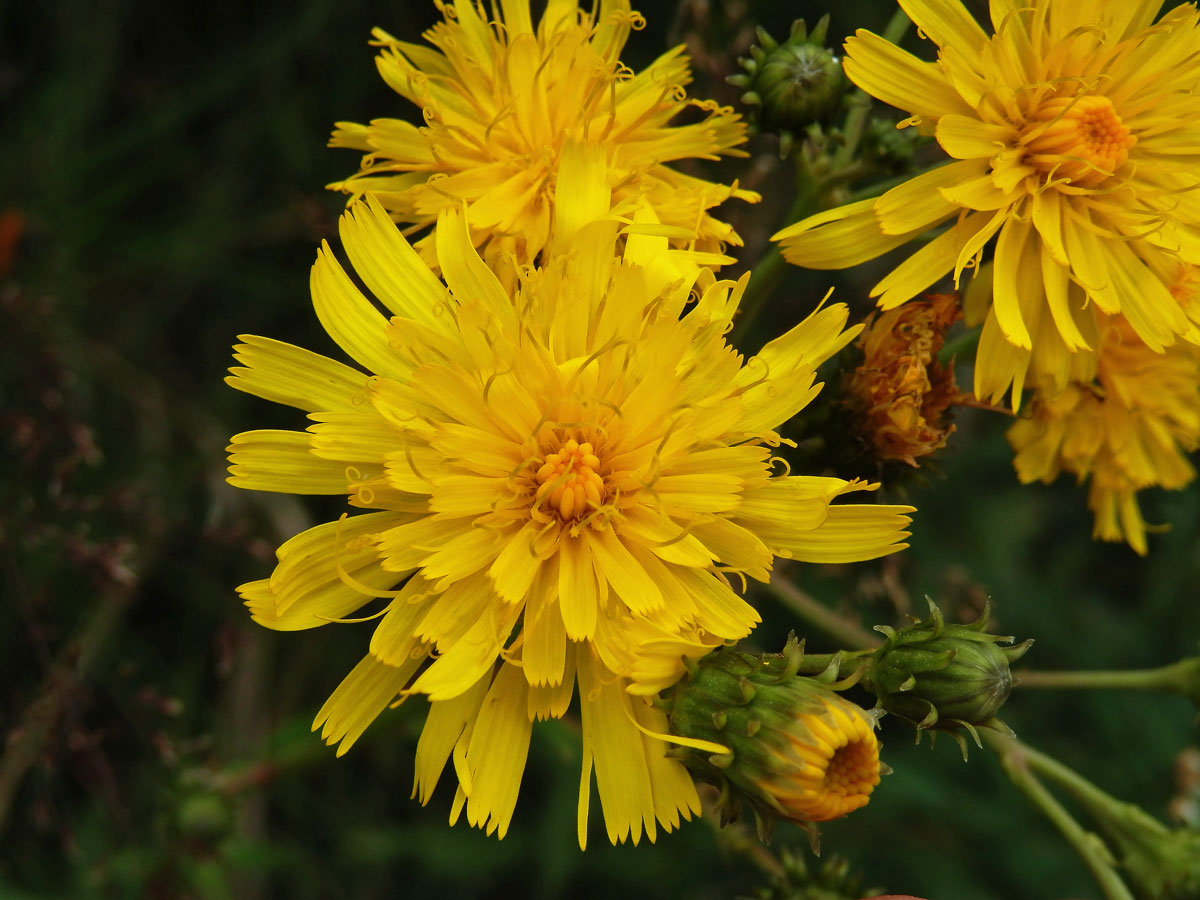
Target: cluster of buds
x=951 y=678
x=801 y=880
x=793 y=747
x=792 y=85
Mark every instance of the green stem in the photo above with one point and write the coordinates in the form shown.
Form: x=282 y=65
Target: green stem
x=74 y=666
x=847 y=634
x=1102 y=806
x=960 y=346
x=770 y=267
x=1019 y=762
x=811 y=187
x=816 y=663
x=860 y=102
x=1175 y=678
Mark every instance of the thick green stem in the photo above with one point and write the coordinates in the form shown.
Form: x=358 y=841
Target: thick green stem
x=1102 y=806
x=1020 y=762
x=1178 y=678
x=846 y=633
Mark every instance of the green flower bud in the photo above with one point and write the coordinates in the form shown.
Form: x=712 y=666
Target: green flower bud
x=800 y=880
x=795 y=747
x=889 y=148
x=791 y=85
x=943 y=676
x=1162 y=865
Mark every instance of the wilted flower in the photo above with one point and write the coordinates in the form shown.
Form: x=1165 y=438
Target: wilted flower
x=900 y=395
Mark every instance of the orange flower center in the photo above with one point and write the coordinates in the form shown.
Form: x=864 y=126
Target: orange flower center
x=1081 y=139
x=568 y=483
x=851 y=775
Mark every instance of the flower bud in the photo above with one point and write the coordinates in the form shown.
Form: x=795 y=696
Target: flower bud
x=803 y=879
x=1161 y=865
x=791 y=85
x=796 y=748
x=943 y=676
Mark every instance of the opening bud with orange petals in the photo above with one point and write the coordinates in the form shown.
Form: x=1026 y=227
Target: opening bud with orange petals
x=795 y=748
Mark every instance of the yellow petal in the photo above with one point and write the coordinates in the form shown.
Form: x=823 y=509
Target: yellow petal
x=497 y=752
x=898 y=78
x=853 y=533
x=967 y=137
x=283 y=462
x=293 y=376
x=444 y=727
x=918 y=204
x=359 y=699
x=390 y=268
x=351 y=320
x=577 y=597
x=612 y=741
x=838 y=238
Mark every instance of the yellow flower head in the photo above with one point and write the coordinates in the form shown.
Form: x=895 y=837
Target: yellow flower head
x=569 y=477
x=900 y=395
x=831 y=764
x=1127 y=429
x=1075 y=130
x=501 y=99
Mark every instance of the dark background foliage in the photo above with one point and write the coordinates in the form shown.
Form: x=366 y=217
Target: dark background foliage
x=166 y=162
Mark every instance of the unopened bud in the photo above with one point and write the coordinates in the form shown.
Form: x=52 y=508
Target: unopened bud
x=941 y=676
x=791 y=85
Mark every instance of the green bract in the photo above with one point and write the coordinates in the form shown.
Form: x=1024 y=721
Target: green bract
x=940 y=676
x=791 y=85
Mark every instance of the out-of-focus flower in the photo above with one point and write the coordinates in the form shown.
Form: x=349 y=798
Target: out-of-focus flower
x=1126 y=429
x=501 y=100
x=1075 y=130
x=796 y=749
x=567 y=476
x=900 y=396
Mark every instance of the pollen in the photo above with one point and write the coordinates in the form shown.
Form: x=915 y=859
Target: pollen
x=568 y=481
x=1078 y=138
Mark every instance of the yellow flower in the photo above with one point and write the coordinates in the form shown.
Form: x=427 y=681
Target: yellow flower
x=900 y=396
x=501 y=100
x=1127 y=429
x=568 y=476
x=1075 y=130
x=831 y=765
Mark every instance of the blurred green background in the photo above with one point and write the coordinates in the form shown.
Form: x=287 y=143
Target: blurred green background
x=165 y=163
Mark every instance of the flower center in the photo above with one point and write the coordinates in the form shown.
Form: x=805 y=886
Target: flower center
x=852 y=773
x=1078 y=138
x=568 y=483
